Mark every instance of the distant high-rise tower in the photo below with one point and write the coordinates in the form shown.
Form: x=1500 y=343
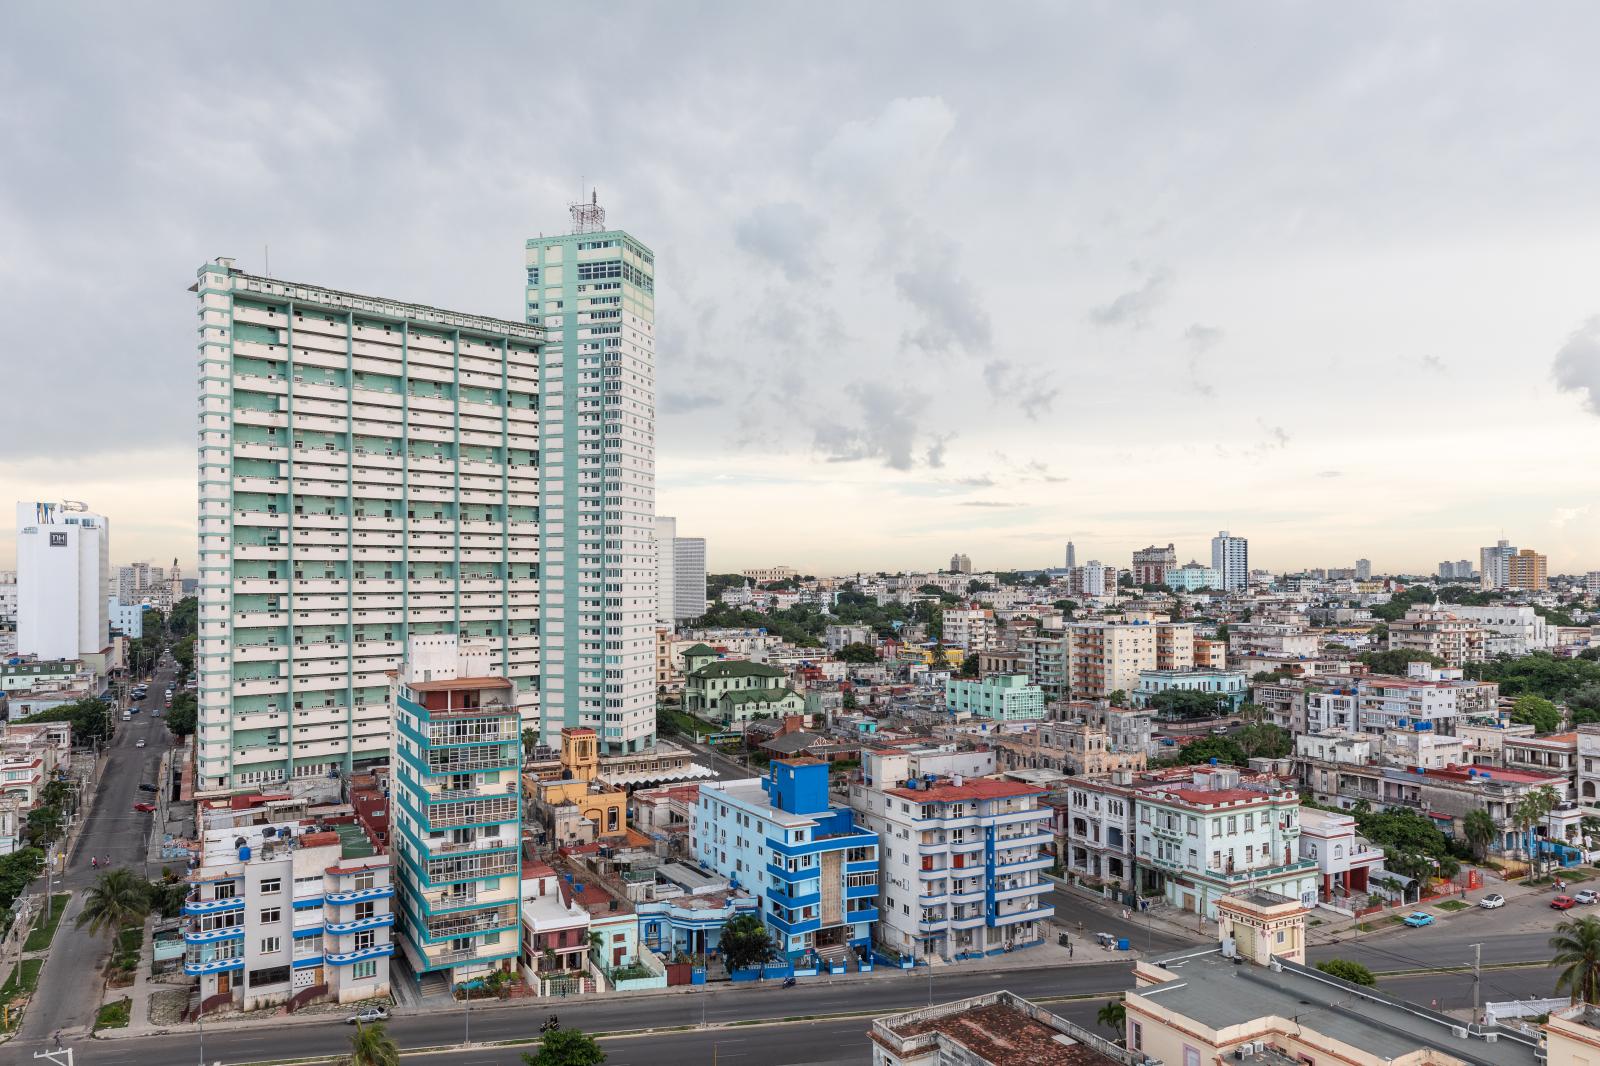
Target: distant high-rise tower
x=1363 y=569
x=960 y=564
x=593 y=291
x=1494 y=565
x=681 y=574
x=1072 y=555
x=63 y=573
x=1230 y=558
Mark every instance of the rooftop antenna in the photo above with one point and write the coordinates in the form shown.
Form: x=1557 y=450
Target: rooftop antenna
x=266 y=257
x=588 y=217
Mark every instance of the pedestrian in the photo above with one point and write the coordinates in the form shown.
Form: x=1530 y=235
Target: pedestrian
x=94 y=863
x=58 y=1039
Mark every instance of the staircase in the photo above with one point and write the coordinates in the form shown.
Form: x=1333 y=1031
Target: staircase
x=834 y=953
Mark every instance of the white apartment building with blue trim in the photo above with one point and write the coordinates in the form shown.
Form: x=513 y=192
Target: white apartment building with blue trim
x=962 y=860
x=813 y=870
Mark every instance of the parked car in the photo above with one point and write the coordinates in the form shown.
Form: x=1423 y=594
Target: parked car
x=1416 y=919
x=1585 y=895
x=1219 y=729
x=139 y=743
x=368 y=1015
x=1562 y=903
x=145 y=808
x=146 y=787
x=1491 y=901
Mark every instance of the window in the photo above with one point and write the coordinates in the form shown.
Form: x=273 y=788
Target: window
x=273 y=884
x=270 y=944
x=270 y=915
x=1137 y=1038
x=269 y=975
x=361 y=971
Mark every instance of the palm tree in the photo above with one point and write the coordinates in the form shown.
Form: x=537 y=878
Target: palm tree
x=1113 y=1016
x=120 y=898
x=1479 y=829
x=1577 y=948
x=371 y=1045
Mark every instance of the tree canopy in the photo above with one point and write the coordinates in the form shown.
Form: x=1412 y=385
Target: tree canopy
x=1541 y=674
x=745 y=942
x=1544 y=716
x=1225 y=750
x=857 y=653
x=1396 y=660
x=1183 y=703
x=566 y=1047
x=1345 y=970
x=90 y=718
x=183 y=714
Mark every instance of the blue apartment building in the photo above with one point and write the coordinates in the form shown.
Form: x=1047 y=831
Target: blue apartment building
x=812 y=869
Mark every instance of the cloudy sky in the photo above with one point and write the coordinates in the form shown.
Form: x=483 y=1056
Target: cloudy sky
x=929 y=277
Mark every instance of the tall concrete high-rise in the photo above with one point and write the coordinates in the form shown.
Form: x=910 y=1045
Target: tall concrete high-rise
x=1363 y=569
x=681 y=573
x=368 y=474
x=63 y=580
x=1230 y=558
x=1494 y=565
x=593 y=292
x=1072 y=555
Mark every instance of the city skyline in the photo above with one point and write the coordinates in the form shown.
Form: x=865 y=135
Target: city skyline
x=850 y=317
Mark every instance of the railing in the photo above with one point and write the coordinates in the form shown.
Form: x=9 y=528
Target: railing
x=471 y=923
x=209 y=1004
x=306 y=995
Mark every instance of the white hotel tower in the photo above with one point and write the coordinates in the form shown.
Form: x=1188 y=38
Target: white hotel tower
x=369 y=471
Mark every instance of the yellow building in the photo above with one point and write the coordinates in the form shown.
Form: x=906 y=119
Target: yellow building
x=1528 y=570
x=576 y=807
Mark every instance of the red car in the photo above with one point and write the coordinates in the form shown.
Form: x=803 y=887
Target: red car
x=148 y=807
x=1563 y=903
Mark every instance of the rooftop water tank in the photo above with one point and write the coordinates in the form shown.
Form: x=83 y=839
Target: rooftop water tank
x=244 y=853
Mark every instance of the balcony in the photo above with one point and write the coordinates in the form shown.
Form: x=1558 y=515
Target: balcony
x=206 y=936
x=468 y=924
x=357 y=924
x=356 y=895
x=202 y=965
x=212 y=906
x=464 y=847
x=345 y=958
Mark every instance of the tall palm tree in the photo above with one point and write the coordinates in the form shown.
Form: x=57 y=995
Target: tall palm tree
x=1113 y=1016
x=120 y=898
x=371 y=1045
x=1479 y=828
x=1577 y=949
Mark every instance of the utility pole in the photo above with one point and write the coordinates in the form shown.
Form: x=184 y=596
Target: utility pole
x=1477 y=962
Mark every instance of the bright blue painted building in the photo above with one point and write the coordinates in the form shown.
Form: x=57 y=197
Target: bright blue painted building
x=813 y=871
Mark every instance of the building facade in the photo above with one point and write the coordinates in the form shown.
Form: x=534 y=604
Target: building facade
x=592 y=292
x=1152 y=565
x=1230 y=558
x=368 y=473
x=998 y=697
x=813 y=870
x=961 y=864
x=457 y=818
x=681 y=574
x=63 y=570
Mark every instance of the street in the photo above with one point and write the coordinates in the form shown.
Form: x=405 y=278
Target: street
x=69 y=986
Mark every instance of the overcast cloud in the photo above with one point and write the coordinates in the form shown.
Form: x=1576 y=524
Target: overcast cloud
x=1186 y=253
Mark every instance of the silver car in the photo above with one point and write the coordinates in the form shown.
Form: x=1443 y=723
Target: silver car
x=368 y=1015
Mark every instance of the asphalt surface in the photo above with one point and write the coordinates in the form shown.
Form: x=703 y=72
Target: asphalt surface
x=69 y=986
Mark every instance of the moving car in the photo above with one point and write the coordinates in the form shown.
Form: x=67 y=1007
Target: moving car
x=1416 y=919
x=145 y=807
x=1219 y=729
x=146 y=787
x=1562 y=903
x=1491 y=901
x=1586 y=895
x=367 y=1015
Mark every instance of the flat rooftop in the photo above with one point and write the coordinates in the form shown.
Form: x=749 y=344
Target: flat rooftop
x=1218 y=994
x=1000 y=1033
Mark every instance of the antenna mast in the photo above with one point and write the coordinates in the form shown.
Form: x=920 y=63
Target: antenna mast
x=588 y=217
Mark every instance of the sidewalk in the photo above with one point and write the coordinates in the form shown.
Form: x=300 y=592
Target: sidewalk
x=1044 y=956
x=1335 y=927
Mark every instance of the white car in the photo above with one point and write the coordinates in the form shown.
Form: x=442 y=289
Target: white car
x=1491 y=901
x=1585 y=896
x=368 y=1015
x=140 y=743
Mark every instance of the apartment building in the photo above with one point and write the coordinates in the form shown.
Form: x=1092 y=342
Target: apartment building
x=457 y=821
x=1151 y=565
x=368 y=473
x=1439 y=632
x=970 y=626
x=815 y=871
x=1508 y=630
x=766 y=575
x=1094 y=742
x=8 y=600
x=1230 y=558
x=961 y=862
x=998 y=698
x=592 y=292
x=279 y=913
x=1202 y=841
x=63 y=575
x=1269 y=640
x=680 y=574
x=1192 y=576
x=1107 y=657
x=1094 y=827
x=1228 y=686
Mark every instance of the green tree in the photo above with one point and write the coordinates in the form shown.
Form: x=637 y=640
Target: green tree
x=183 y=652
x=746 y=942
x=185 y=618
x=1114 y=1016
x=1584 y=703
x=17 y=871
x=1118 y=698
x=1345 y=970
x=566 y=1047
x=184 y=714
x=1577 y=951
x=371 y=1045
x=1225 y=750
x=90 y=718
x=118 y=898
x=1479 y=829
x=1396 y=660
x=969 y=666
x=1185 y=703
x=44 y=825
x=857 y=653
x=1544 y=716
x=1265 y=741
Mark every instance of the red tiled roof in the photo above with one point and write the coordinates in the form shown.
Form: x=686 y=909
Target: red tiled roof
x=458 y=684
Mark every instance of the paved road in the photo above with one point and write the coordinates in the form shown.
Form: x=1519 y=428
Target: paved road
x=1097 y=917
x=69 y=987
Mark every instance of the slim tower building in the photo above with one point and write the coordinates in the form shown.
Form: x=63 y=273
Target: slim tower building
x=367 y=475
x=593 y=293
x=63 y=580
x=1230 y=558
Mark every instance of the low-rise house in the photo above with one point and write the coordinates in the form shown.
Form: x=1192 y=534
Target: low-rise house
x=1346 y=863
x=734 y=691
x=1228 y=686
